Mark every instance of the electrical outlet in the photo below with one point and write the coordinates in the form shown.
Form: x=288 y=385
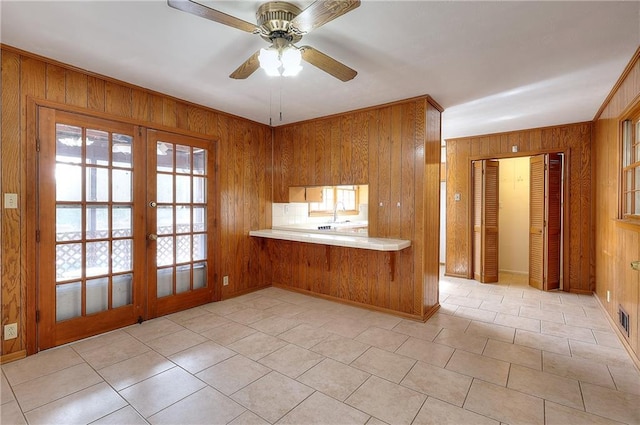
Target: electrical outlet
x=225 y=280
x=10 y=331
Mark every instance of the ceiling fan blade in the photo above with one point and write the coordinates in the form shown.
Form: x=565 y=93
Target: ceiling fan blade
x=321 y=12
x=327 y=64
x=203 y=11
x=247 y=68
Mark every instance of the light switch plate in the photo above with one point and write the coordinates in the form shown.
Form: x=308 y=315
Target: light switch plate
x=10 y=200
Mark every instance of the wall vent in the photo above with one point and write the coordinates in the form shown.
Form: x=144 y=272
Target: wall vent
x=623 y=320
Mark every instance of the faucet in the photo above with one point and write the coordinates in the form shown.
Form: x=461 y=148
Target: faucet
x=335 y=210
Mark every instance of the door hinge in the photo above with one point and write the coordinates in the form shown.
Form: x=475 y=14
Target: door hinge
x=37 y=235
x=37 y=316
x=140 y=131
x=37 y=144
x=215 y=223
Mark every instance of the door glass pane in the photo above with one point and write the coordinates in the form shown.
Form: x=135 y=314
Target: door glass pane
x=636 y=209
x=93 y=236
x=164 y=156
x=181 y=196
x=68 y=222
x=199 y=161
x=183 y=219
x=97 y=184
x=628 y=204
x=183 y=189
x=68 y=301
x=122 y=225
x=164 y=192
x=183 y=248
x=183 y=159
x=164 y=255
x=199 y=247
x=97 y=149
x=121 y=150
x=68 y=261
x=183 y=279
x=122 y=291
x=97 y=295
x=199 y=275
x=164 y=279
x=97 y=258
x=121 y=185
x=97 y=222
x=68 y=182
x=199 y=188
x=68 y=143
x=199 y=219
x=164 y=220
x=122 y=255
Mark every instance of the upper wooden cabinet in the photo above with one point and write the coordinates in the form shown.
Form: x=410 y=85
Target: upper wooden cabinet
x=305 y=194
x=313 y=194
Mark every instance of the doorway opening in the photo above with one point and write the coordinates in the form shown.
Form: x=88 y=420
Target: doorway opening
x=518 y=219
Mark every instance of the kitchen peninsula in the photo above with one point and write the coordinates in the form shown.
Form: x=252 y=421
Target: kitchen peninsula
x=395 y=150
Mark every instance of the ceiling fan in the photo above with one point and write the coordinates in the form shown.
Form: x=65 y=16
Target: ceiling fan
x=282 y=24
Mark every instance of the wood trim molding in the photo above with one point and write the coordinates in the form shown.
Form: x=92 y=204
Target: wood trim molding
x=623 y=341
x=368 y=108
x=37 y=102
x=119 y=82
x=616 y=86
x=13 y=356
x=357 y=304
x=507 y=133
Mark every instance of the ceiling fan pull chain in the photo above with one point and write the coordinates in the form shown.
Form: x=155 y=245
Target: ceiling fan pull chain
x=281 y=100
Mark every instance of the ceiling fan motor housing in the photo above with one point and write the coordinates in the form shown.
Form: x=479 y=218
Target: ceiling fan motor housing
x=274 y=19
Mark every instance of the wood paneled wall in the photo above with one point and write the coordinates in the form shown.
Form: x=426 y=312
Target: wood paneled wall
x=575 y=140
x=395 y=149
x=616 y=241
x=243 y=177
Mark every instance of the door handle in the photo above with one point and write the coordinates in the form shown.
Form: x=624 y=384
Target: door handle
x=152 y=204
x=152 y=237
x=635 y=265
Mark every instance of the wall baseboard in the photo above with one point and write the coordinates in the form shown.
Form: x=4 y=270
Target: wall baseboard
x=13 y=356
x=623 y=340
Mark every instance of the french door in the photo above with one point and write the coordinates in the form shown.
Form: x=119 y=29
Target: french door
x=104 y=196
x=179 y=215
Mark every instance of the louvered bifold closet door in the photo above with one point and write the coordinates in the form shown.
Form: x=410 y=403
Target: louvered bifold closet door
x=485 y=220
x=545 y=220
x=554 y=221
x=477 y=219
x=536 y=222
x=491 y=207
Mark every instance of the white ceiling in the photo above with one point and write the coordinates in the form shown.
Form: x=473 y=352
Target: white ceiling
x=494 y=66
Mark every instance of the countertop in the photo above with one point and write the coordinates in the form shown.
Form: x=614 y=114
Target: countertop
x=334 y=239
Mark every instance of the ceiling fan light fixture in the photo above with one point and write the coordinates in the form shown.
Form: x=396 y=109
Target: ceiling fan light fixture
x=291 y=58
x=269 y=61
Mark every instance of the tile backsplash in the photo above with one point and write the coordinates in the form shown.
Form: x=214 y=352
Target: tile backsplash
x=298 y=213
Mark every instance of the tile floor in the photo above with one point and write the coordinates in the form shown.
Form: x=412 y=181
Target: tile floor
x=501 y=353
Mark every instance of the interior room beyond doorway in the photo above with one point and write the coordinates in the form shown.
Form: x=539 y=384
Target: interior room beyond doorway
x=513 y=216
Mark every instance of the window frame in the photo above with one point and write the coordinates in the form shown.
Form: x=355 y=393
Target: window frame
x=329 y=213
x=629 y=170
